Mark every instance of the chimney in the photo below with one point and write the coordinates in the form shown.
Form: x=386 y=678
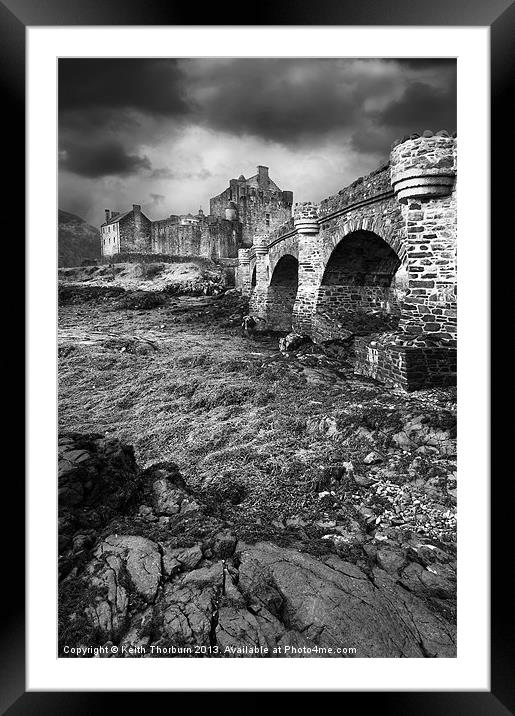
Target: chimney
x=262 y=177
x=108 y=215
x=137 y=211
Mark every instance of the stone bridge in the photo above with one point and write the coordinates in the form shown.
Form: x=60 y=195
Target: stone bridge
x=377 y=262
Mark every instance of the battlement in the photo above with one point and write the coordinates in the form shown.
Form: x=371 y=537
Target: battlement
x=423 y=166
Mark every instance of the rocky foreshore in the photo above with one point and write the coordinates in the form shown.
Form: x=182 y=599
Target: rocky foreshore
x=148 y=569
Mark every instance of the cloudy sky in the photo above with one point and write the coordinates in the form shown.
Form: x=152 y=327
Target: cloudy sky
x=168 y=134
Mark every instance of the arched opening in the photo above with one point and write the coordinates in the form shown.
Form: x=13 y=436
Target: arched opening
x=253 y=279
x=282 y=292
x=359 y=293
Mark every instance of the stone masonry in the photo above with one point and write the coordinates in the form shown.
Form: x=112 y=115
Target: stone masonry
x=246 y=207
x=384 y=247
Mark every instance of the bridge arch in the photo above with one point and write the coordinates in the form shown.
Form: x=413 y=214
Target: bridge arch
x=361 y=288
x=282 y=292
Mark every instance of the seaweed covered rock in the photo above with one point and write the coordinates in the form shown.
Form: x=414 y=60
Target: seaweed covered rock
x=97 y=478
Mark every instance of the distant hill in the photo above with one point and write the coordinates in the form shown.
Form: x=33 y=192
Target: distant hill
x=78 y=240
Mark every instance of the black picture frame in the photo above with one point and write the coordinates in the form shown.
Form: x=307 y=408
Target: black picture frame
x=15 y=16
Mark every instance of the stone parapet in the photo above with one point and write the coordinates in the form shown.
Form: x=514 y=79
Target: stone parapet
x=423 y=167
x=243 y=256
x=260 y=244
x=364 y=189
x=306 y=218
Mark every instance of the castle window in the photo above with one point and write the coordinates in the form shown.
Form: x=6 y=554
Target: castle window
x=267 y=219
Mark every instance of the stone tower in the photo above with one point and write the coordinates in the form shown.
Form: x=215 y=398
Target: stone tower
x=258 y=203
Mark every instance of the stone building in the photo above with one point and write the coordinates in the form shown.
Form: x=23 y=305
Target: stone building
x=246 y=207
x=257 y=203
x=127 y=232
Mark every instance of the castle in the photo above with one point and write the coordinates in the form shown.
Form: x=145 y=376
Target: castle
x=246 y=207
x=377 y=261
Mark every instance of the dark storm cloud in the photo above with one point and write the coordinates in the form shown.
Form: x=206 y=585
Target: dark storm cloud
x=425 y=63
x=278 y=99
x=101 y=100
x=102 y=159
x=298 y=100
x=424 y=105
x=421 y=106
x=149 y=85
x=282 y=100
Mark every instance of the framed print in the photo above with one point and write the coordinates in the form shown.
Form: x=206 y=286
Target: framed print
x=257 y=356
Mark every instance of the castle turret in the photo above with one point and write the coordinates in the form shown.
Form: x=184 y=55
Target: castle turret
x=423 y=167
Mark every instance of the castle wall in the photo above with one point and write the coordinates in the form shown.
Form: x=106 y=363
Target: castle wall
x=171 y=237
x=220 y=238
x=215 y=239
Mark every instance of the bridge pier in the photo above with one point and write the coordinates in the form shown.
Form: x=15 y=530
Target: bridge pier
x=311 y=268
x=259 y=293
x=423 y=351
x=243 y=278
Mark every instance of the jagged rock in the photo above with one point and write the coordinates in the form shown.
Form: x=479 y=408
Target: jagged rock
x=373 y=458
x=165 y=470
x=257 y=584
x=436 y=636
x=188 y=606
x=210 y=575
x=170 y=494
x=107 y=612
x=140 y=557
x=224 y=544
x=221 y=591
x=167 y=499
x=170 y=500
x=238 y=630
x=180 y=558
x=303 y=592
x=95 y=472
x=120 y=564
x=417 y=433
x=392 y=561
x=426 y=582
x=430 y=554
x=138 y=635
x=97 y=478
x=292 y=341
